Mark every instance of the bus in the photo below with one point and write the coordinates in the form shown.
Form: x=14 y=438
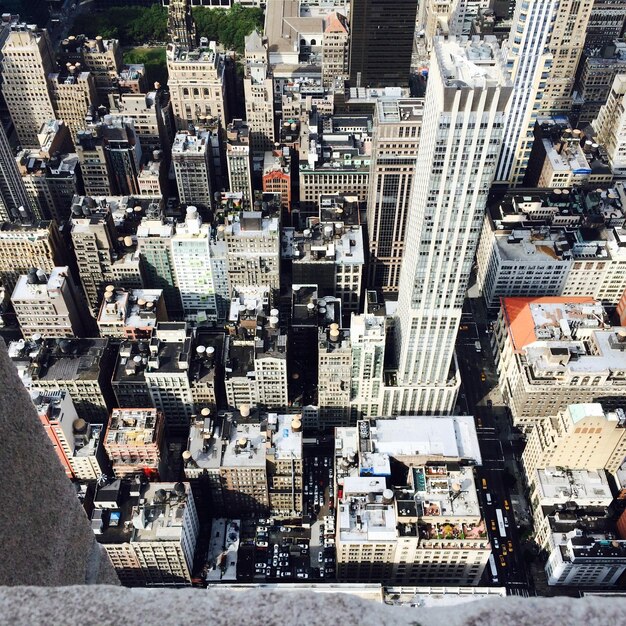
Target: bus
x=501 y=527
x=492 y=566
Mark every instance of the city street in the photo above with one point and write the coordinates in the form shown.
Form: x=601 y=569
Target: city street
x=480 y=397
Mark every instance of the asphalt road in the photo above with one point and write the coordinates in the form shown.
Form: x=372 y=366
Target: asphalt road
x=480 y=397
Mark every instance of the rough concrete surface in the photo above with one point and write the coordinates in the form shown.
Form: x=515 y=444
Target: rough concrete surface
x=45 y=537
x=96 y=605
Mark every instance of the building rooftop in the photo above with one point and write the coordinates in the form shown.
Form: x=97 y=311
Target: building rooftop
x=445 y=491
x=36 y=286
x=450 y=437
x=246 y=447
x=205 y=441
x=584 y=487
x=166 y=352
x=196 y=143
x=133 y=427
x=476 y=63
x=366 y=511
x=202 y=54
x=58 y=359
x=600 y=352
x=286 y=442
x=550 y=317
x=330 y=242
x=155 y=514
x=396 y=110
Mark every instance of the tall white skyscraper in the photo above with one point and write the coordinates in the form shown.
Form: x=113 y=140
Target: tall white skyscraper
x=468 y=91
x=543 y=50
x=529 y=62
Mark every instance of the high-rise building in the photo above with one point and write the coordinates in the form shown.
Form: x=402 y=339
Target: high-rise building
x=101 y=57
x=552 y=352
x=134 y=442
x=157 y=552
x=51 y=173
x=255 y=353
x=154 y=244
x=335 y=49
x=395 y=139
x=105 y=251
x=259 y=94
x=253 y=249
x=368 y=339
x=458 y=151
x=83 y=367
x=580 y=436
x=27 y=59
x=239 y=159
x=335 y=159
x=181 y=29
x=566 y=44
x=598 y=70
x=535 y=242
x=575 y=526
x=544 y=48
x=334 y=376
x=610 y=126
x=131 y=314
x=374 y=24
x=196 y=84
x=48 y=305
x=530 y=64
x=77 y=443
x=376 y=534
x=606 y=23
x=23 y=247
x=14 y=201
x=152 y=116
x=167 y=375
x=197 y=282
x=191 y=157
x=277 y=177
x=73 y=92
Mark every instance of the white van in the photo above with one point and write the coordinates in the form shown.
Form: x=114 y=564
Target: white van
x=488 y=498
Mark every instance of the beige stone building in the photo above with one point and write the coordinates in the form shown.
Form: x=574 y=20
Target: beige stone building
x=72 y=92
x=23 y=247
x=27 y=60
x=430 y=528
x=196 y=84
x=582 y=436
x=610 y=125
x=48 y=304
x=259 y=94
x=158 y=550
x=335 y=49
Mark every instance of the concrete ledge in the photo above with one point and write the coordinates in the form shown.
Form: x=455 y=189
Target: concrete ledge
x=45 y=536
x=96 y=605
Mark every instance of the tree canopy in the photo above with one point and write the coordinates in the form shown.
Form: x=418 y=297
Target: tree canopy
x=229 y=27
x=131 y=25
x=137 y=26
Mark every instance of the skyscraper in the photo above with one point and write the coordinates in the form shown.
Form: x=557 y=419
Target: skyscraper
x=544 y=48
x=259 y=94
x=397 y=127
x=381 y=33
x=468 y=91
x=181 y=28
x=13 y=196
x=27 y=59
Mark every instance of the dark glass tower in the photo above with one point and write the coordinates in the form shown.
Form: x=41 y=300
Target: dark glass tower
x=381 y=42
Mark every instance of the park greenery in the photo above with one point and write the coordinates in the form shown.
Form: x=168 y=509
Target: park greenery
x=138 y=26
x=154 y=61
